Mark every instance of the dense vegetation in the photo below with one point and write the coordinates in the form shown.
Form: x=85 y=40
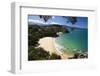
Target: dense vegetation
x=35 y=32
x=41 y=54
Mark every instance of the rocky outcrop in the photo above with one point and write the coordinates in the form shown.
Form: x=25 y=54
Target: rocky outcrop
x=79 y=55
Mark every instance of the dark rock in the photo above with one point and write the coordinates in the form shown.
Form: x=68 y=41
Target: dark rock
x=79 y=55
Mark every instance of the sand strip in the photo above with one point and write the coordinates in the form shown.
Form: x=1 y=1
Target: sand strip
x=49 y=44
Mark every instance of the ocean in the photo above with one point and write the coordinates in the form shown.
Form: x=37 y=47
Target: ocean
x=76 y=40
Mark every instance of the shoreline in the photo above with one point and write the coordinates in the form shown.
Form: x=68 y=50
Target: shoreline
x=49 y=44
x=59 y=50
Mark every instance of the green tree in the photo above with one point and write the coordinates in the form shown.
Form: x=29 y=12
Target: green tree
x=55 y=56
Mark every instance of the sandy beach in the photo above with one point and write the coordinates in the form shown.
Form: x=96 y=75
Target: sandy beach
x=49 y=44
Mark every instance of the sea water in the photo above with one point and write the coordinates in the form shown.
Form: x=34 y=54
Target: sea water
x=76 y=40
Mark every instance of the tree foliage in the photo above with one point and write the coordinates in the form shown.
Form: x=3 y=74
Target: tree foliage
x=73 y=20
x=45 y=17
x=35 y=32
x=41 y=54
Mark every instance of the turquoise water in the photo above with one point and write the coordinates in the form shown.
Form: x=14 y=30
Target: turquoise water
x=76 y=40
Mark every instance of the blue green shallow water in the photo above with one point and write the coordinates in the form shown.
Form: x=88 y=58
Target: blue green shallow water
x=76 y=40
